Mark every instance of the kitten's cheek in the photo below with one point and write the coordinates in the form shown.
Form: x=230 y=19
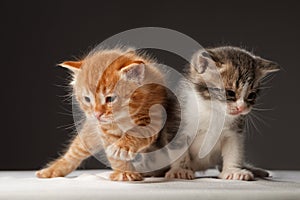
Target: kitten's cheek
x=229 y=109
x=246 y=111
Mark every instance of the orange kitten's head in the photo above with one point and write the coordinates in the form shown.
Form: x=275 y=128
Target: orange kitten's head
x=105 y=83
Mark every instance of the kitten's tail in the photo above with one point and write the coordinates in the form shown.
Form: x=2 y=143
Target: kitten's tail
x=257 y=172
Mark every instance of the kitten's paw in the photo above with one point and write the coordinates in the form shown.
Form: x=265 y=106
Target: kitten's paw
x=180 y=174
x=237 y=174
x=120 y=153
x=125 y=176
x=49 y=173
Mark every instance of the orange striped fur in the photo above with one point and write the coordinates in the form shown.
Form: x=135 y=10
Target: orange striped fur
x=107 y=84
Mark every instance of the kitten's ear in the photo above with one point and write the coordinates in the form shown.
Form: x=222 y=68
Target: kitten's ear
x=202 y=60
x=266 y=66
x=134 y=71
x=74 y=66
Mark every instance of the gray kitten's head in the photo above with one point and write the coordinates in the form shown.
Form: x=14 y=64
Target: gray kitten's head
x=238 y=70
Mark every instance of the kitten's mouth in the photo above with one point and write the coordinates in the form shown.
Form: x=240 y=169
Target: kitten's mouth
x=237 y=112
x=104 y=121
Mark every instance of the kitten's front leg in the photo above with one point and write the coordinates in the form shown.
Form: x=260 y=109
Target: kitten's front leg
x=67 y=163
x=79 y=150
x=232 y=148
x=181 y=168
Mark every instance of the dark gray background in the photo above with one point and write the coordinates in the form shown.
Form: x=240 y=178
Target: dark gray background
x=37 y=35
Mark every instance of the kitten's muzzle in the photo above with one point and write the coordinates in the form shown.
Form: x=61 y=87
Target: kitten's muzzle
x=240 y=110
x=101 y=117
x=98 y=114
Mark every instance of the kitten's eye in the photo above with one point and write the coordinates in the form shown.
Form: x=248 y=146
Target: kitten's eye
x=230 y=94
x=251 y=96
x=87 y=99
x=110 y=99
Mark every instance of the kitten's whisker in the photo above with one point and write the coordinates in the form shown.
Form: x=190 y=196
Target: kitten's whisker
x=68 y=94
x=265 y=87
x=259 y=119
x=261 y=96
x=253 y=124
x=258 y=104
x=67 y=100
x=247 y=128
x=66 y=114
x=66 y=126
x=66 y=110
x=262 y=109
x=72 y=125
x=69 y=114
x=262 y=115
x=62 y=86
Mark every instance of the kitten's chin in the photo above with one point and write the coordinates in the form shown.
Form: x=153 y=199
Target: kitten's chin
x=238 y=113
x=104 y=121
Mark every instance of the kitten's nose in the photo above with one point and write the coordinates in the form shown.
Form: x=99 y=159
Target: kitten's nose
x=240 y=108
x=98 y=114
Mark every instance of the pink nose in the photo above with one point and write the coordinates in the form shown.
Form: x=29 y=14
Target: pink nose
x=98 y=114
x=240 y=108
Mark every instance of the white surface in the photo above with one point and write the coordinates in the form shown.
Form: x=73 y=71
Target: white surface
x=93 y=184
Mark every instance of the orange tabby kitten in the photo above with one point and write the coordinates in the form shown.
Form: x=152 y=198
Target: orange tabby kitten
x=117 y=89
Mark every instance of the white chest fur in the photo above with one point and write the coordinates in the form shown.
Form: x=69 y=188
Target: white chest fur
x=206 y=135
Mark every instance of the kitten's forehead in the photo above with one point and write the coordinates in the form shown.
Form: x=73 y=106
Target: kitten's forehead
x=111 y=75
x=239 y=68
x=95 y=74
x=243 y=90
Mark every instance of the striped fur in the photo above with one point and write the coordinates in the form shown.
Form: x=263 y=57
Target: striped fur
x=241 y=73
x=115 y=89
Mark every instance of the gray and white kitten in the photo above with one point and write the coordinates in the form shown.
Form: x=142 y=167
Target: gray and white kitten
x=240 y=72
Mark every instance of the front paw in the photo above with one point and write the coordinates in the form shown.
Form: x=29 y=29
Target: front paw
x=125 y=176
x=120 y=152
x=180 y=173
x=59 y=168
x=49 y=172
x=236 y=174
